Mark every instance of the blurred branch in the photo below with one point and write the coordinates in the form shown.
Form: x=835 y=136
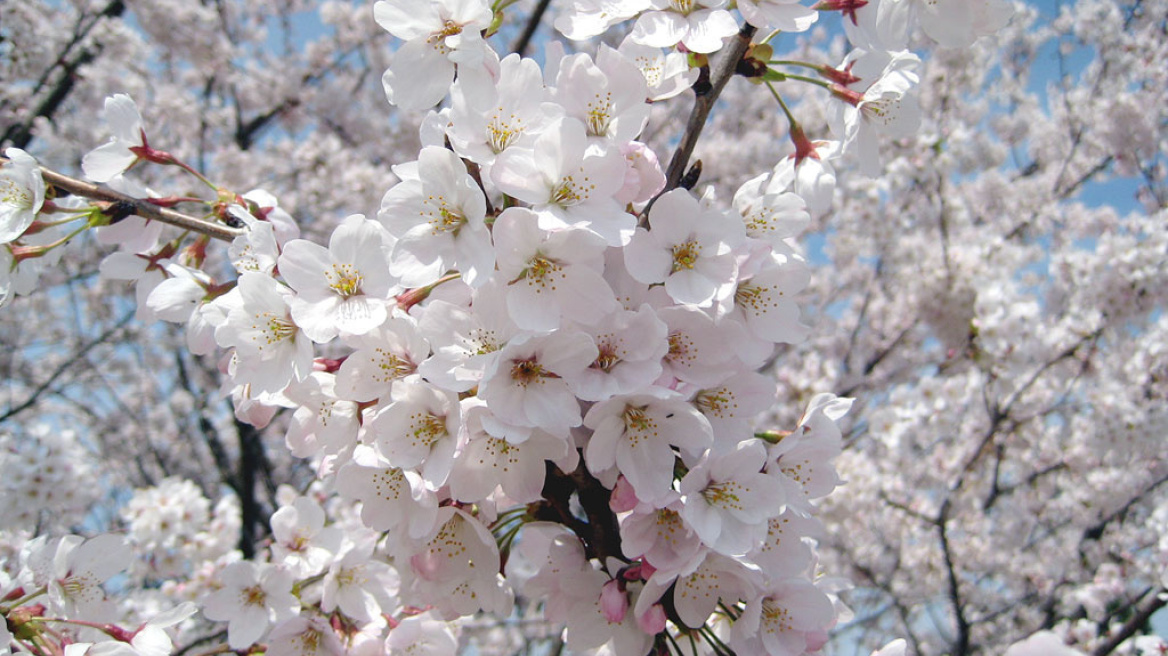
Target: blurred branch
x=524 y=40
x=60 y=370
x=20 y=134
x=1154 y=601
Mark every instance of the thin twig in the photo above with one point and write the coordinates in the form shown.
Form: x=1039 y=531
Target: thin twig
x=77 y=357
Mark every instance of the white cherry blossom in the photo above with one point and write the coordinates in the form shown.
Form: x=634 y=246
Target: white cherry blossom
x=345 y=288
x=436 y=213
x=440 y=36
x=529 y=382
x=419 y=430
x=115 y=156
x=700 y=25
x=550 y=276
x=607 y=96
x=252 y=599
x=22 y=193
x=728 y=500
x=688 y=247
x=636 y=434
x=568 y=185
x=391 y=498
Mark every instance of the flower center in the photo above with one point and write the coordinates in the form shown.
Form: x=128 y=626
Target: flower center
x=777 y=618
x=501 y=134
x=723 y=494
x=754 y=297
x=525 y=372
x=714 y=401
x=444 y=219
x=393 y=367
x=345 y=280
x=681 y=349
x=437 y=40
x=568 y=193
x=599 y=115
x=14 y=195
x=686 y=255
x=541 y=273
x=274 y=328
x=608 y=357
x=428 y=428
x=254 y=596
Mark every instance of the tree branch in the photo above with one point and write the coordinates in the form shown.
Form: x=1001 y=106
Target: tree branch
x=78 y=357
x=137 y=206
x=705 y=102
x=524 y=40
x=1154 y=602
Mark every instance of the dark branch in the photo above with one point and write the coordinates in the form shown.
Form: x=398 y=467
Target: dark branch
x=524 y=40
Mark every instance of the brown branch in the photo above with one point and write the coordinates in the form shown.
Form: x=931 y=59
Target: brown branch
x=137 y=206
x=703 y=103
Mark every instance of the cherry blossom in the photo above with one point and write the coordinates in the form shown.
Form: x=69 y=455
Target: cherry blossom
x=689 y=249
x=22 y=193
x=252 y=599
x=700 y=25
x=439 y=36
x=344 y=288
x=436 y=213
x=551 y=366
x=115 y=156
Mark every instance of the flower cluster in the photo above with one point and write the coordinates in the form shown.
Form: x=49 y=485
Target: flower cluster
x=532 y=373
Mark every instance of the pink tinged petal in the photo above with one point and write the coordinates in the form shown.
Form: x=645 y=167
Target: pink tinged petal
x=530 y=307
x=648 y=464
x=568 y=353
x=624 y=497
x=601 y=451
x=691 y=288
x=407 y=19
x=647 y=260
x=123 y=266
x=101 y=557
x=360 y=315
x=552 y=408
x=696 y=595
x=704 y=519
x=318 y=319
x=652 y=621
x=614 y=603
x=516 y=173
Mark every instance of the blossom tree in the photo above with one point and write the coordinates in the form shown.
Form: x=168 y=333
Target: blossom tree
x=545 y=390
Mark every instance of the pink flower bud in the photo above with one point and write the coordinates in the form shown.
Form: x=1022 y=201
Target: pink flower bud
x=613 y=601
x=624 y=497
